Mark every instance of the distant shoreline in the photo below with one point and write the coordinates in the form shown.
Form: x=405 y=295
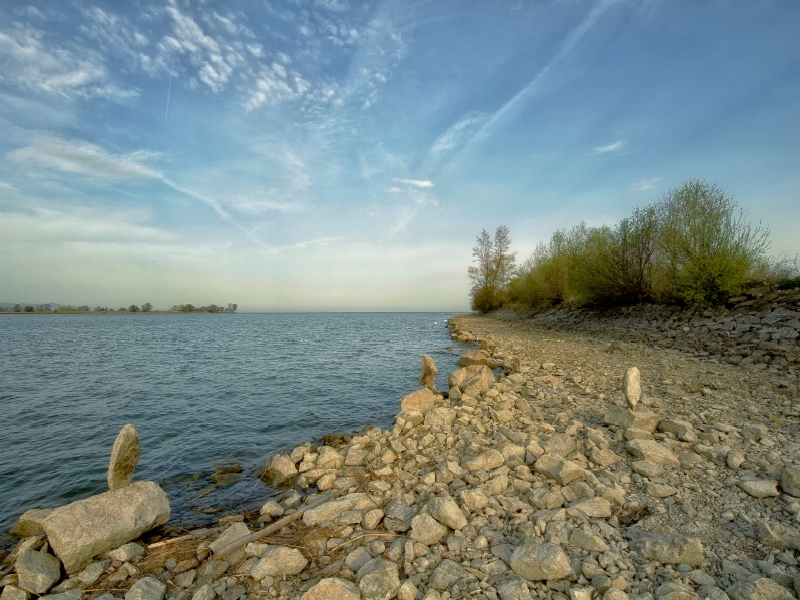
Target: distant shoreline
x=114 y=312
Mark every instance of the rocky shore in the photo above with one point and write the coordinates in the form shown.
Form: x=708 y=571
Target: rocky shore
x=570 y=463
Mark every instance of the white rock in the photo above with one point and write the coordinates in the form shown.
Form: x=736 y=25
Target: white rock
x=631 y=387
x=279 y=561
x=445 y=510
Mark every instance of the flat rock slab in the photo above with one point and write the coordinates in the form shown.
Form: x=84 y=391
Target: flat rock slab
x=328 y=511
x=760 y=488
x=86 y=528
x=632 y=419
x=654 y=452
x=124 y=458
x=558 y=468
x=420 y=400
x=671 y=549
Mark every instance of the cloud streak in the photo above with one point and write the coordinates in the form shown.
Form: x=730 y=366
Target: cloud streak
x=610 y=147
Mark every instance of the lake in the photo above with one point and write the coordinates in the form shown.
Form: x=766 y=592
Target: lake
x=202 y=390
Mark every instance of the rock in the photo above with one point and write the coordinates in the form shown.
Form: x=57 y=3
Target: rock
x=441 y=418
x=477 y=377
x=491 y=459
x=429 y=370
x=420 y=400
x=671 y=549
x=278 y=561
x=372 y=518
x=735 y=459
x=205 y=592
x=515 y=588
x=37 y=571
x=445 y=574
x=778 y=535
x=30 y=522
x=328 y=511
x=378 y=580
x=546 y=498
x=126 y=552
x=476 y=357
x=332 y=588
x=271 y=509
x=790 y=481
x=74 y=594
x=558 y=468
x=124 y=458
x=407 y=591
x=426 y=530
x=12 y=592
x=281 y=469
x=537 y=561
x=760 y=488
x=599 y=508
x=585 y=540
x=357 y=558
x=628 y=419
x=560 y=444
x=86 y=528
x=147 y=588
x=329 y=458
x=93 y=572
x=398 y=516
x=474 y=500
x=603 y=457
x=760 y=589
x=236 y=531
x=445 y=510
x=660 y=490
x=631 y=387
x=647 y=468
x=653 y=451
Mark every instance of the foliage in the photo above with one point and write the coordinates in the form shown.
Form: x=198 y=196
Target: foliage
x=493 y=269
x=693 y=246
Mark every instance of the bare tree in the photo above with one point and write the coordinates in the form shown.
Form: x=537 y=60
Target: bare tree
x=492 y=270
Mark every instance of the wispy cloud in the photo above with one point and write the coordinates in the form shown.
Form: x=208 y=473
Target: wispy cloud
x=454 y=138
x=416 y=183
x=84 y=158
x=645 y=184
x=610 y=147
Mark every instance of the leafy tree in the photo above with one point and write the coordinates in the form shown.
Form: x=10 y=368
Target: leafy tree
x=28 y=308
x=17 y=308
x=147 y=307
x=492 y=270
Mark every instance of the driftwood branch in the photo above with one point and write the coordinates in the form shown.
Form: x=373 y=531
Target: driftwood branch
x=195 y=535
x=276 y=526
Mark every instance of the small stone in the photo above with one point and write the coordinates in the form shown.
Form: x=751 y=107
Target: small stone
x=147 y=588
x=30 y=522
x=631 y=387
x=474 y=500
x=357 y=559
x=328 y=511
x=332 y=588
x=558 y=468
x=580 y=593
x=760 y=488
x=445 y=510
x=586 y=540
x=234 y=532
x=398 y=516
x=279 y=561
x=379 y=579
x=536 y=561
x=628 y=419
x=93 y=572
x=426 y=530
x=407 y=591
x=272 y=509
x=37 y=571
x=514 y=588
x=659 y=490
x=124 y=458
x=205 y=592
x=647 y=468
x=429 y=370
x=735 y=459
x=126 y=552
x=420 y=400
x=281 y=469
x=599 y=508
x=445 y=574
x=653 y=451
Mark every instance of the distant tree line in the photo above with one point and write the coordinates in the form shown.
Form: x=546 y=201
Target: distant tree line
x=146 y=307
x=693 y=247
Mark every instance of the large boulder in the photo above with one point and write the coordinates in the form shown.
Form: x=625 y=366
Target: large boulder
x=37 y=571
x=479 y=377
x=536 y=561
x=281 y=469
x=476 y=357
x=124 y=458
x=86 y=528
x=625 y=418
x=30 y=523
x=420 y=400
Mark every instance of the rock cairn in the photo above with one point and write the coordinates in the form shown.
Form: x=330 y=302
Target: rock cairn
x=541 y=483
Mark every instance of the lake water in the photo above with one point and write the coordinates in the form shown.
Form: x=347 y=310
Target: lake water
x=202 y=390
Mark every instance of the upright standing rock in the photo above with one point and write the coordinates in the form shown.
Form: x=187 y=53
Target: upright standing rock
x=631 y=387
x=429 y=370
x=124 y=458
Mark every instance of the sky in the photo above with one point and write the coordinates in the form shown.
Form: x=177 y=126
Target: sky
x=340 y=155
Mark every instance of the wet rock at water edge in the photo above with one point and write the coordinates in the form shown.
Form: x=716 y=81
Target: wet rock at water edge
x=124 y=458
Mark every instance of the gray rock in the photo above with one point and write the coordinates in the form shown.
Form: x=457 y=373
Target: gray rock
x=546 y=498
x=328 y=511
x=333 y=588
x=30 y=522
x=671 y=549
x=647 y=468
x=37 y=571
x=147 y=588
x=441 y=418
x=790 y=481
x=447 y=573
x=378 y=580
x=86 y=528
x=586 y=540
x=536 y=561
x=407 y=591
x=625 y=418
x=357 y=559
x=760 y=589
x=235 y=531
x=474 y=500
x=12 y=592
x=426 y=530
x=653 y=451
x=712 y=592
x=398 y=516
x=124 y=458
x=75 y=594
x=281 y=469
x=760 y=488
x=599 y=508
x=420 y=400
x=735 y=459
x=476 y=357
x=558 y=468
x=514 y=588
x=560 y=444
x=631 y=387
x=486 y=461
x=477 y=378
x=126 y=552
x=429 y=370
x=205 y=592
x=445 y=510
x=778 y=535
x=93 y=572
x=329 y=458
x=279 y=561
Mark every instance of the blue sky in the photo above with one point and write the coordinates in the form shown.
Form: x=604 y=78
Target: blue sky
x=340 y=155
